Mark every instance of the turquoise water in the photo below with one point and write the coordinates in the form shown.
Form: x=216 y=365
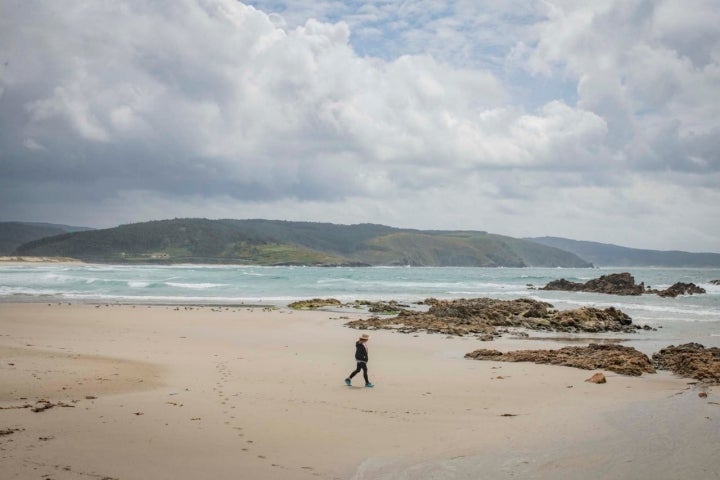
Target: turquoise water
x=693 y=315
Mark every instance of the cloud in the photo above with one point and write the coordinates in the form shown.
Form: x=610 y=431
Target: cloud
x=648 y=68
x=512 y=117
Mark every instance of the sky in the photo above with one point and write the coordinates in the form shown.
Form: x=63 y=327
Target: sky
x=580 y=119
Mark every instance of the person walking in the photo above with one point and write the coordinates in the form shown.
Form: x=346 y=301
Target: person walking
x=361 y=357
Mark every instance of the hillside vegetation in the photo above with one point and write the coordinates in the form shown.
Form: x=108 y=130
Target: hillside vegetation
x=269 y=242
x=14 y=234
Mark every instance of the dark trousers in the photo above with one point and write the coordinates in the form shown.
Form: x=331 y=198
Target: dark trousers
x=361 y=366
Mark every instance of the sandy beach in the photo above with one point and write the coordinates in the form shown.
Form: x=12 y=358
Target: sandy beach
x=168 y=392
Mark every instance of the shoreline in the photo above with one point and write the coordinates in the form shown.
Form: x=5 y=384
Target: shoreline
x=260 y=392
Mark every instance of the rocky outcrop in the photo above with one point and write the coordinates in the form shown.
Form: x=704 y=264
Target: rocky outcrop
x=621 y=284
x=391 y=307
x=615 y=283
x=589 y=319
x=481 y=316
x=690 y=360
x=315 y=303
x=715 y=282
x=679 y=289
x=616 y=358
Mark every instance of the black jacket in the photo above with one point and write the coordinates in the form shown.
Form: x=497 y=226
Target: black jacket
x=361 y=354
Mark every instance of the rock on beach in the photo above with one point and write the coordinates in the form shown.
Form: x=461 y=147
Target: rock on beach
x=481 y=316
x=690 y=360
x=616 y=358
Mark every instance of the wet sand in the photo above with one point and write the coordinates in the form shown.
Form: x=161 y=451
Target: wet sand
x=208 y=392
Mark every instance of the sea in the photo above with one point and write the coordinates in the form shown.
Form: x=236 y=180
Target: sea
x=680 y=319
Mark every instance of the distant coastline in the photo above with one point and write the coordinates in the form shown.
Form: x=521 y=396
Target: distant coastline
x=9 y=259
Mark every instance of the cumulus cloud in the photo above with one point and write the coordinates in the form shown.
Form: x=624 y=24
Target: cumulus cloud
x=648 y=68
x=403 y=113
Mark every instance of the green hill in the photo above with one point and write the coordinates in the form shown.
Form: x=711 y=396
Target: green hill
x=14 y=234
x=271 y=242
x=608 y=255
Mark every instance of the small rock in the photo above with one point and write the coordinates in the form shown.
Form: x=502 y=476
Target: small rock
x=597 y=378
x=702 y=394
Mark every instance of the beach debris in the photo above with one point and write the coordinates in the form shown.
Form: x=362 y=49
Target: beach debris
x=481 y=316
x=616 y=358
x=13 y=407
x=622 y=284
x=597 y=378
x=690 y=360
x=9 y=431
x=42 y=405
x=138 y=413
x=509 y=415
x=702 y=395
x=315 y=303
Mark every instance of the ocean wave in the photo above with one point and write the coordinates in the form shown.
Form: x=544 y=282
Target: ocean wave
x=196 y=286
x=628 y=307
x=180 y=299
x=57 y=278
x=518 y=293
x=6 y=291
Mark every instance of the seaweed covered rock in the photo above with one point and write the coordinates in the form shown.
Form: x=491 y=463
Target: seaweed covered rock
x=495 y=312
x=616 y=358
x=614 y=283
x=621 y=284
x=315 y=303
x=679 y=288
x=480 y=316
x=690 y=360
x=590 y=319
x=391 y=307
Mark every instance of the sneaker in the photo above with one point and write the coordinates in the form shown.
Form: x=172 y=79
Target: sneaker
x=347 y=382
x=369 y=385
